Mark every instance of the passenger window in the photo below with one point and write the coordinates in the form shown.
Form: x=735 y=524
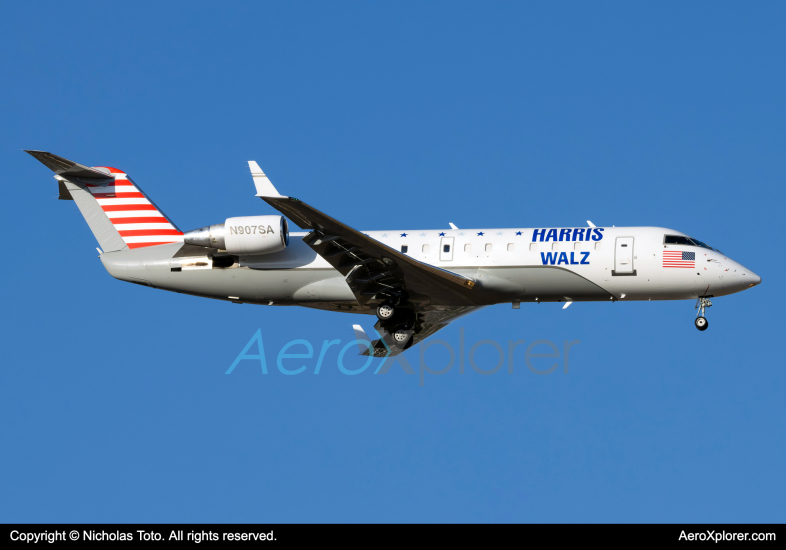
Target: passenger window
x=623 y=245
x=511 y=247
x=446 y=248
x=488 y=247
x=577 y=246
x=404 y=248
x=598 y=246
x=533 y=247
x=467 y=248
x=555 y=246
x=425 y=249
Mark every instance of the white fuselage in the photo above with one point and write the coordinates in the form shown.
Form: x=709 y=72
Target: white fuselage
x=637 y=271
x=516 y=265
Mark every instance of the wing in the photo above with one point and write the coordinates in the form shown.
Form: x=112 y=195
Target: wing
x=431 y=320
x=374 y=271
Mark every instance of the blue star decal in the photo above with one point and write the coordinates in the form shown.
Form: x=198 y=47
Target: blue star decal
x=403 y=234
x=442 y=234
x=518 y=232
x=480 y=234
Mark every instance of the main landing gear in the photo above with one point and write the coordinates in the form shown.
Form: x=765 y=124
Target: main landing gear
x=701 y=321
x=385 y=312
x=397 y=320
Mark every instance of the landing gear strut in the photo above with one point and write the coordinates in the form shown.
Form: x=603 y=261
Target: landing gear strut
x=701 y=321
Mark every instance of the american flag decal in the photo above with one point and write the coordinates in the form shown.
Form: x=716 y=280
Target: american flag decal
x=137 y=219
x=679 y=259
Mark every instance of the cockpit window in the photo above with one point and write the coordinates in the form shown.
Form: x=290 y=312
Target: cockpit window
x=678 y=239
x=701 y=244
x=687 y=241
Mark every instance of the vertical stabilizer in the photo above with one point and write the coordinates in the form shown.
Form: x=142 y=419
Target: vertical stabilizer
x=118 y=212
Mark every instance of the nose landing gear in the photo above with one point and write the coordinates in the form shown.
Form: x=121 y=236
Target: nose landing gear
x=701 y=321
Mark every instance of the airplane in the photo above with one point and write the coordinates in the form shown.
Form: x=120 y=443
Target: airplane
x=415 y=281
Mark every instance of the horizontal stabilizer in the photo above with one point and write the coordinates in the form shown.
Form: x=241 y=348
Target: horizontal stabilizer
x=64 y=167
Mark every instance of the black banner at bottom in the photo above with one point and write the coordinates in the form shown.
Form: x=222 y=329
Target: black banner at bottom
x=163 y=535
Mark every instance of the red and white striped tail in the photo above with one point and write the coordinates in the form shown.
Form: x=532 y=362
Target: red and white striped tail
x=135 y=217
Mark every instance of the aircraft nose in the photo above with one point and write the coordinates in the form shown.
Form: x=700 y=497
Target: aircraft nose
x=749 y=278
x=738 y=277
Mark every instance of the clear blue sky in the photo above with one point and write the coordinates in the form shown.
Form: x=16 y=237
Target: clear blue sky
x=114 y=399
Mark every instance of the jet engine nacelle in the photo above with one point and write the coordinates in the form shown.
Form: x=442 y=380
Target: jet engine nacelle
x=246 y=235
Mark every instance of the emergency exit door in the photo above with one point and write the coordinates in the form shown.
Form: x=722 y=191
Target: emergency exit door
x=446 y=249
x=623 y=257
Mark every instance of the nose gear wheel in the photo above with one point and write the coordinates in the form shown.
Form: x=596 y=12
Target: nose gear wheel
x=701 y=321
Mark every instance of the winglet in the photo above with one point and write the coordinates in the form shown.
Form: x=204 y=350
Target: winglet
x=360 y=336
x=590 y=223
x=452 y=226
x=262 y=182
